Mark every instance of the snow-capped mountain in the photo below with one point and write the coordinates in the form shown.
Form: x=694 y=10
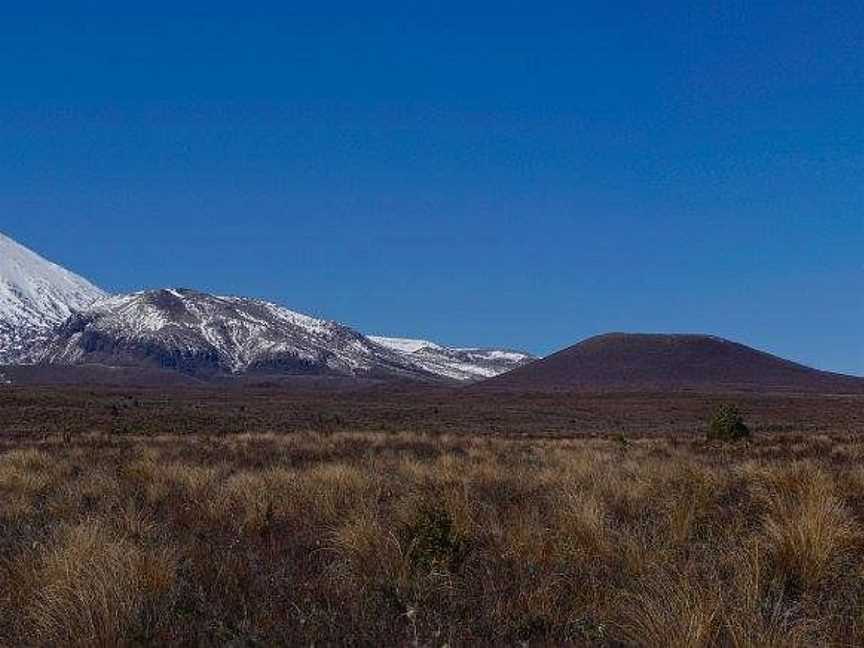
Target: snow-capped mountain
x=463 y=364
x=35 y=297
x=49 y=315
x=199 y=333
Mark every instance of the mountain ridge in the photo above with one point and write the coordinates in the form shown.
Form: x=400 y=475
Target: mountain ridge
x=465 y=364
x=52 y=316
x=200 y=333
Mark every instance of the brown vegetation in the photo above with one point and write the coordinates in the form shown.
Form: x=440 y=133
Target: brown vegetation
x=329 y=536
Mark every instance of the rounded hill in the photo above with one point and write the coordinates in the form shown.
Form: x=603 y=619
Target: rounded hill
x=645 y=361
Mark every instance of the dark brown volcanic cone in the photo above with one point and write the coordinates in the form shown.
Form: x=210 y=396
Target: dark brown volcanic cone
x=642 y=361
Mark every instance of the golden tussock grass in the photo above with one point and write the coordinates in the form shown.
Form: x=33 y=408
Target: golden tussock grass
x=808 y=527
x=382 y=539
x=90 y=586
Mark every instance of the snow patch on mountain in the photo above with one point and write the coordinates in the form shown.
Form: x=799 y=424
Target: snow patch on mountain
x=462 y=364
x=403 y=345
x=35 y=296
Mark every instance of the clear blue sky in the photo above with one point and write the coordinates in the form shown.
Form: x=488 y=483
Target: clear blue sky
x=510 y=173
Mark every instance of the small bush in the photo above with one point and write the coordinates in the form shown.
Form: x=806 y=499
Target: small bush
x=435 y=544
x=727 y=424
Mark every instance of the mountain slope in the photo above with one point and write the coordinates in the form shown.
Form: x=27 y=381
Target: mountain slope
x=198 y=333
x=637 y=361
x=35 y=296
x=459 y=364
x=52 y=316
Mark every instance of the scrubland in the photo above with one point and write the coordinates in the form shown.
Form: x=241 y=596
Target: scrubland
x=409 y=538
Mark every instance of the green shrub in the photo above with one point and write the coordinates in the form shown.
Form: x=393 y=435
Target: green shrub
x=727 y=424
x=435 y=543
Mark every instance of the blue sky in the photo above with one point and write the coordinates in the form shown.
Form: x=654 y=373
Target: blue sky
x=512 y=173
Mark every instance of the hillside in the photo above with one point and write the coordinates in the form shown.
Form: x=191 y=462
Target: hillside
x=462 y=364
x=52 y=317
x=35 y=296
x=640 y=361
x=202 y=334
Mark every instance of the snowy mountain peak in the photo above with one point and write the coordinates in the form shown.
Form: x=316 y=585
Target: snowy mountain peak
x=35 y=296
x=52 y=316
x=199 y=333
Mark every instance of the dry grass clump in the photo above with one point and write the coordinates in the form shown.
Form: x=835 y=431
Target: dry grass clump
x=24 y=474
x=91 y=587
x=331 y=490
x=249 y=501
x=808 y=527
x=670 y=608
x=409 y=539
x=159 y=481
x=583 y=526
x=760 y=613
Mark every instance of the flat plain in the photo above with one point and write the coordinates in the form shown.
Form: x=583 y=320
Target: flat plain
x=264 y=515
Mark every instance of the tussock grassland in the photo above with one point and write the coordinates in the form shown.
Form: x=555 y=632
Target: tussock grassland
x=383 y=539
